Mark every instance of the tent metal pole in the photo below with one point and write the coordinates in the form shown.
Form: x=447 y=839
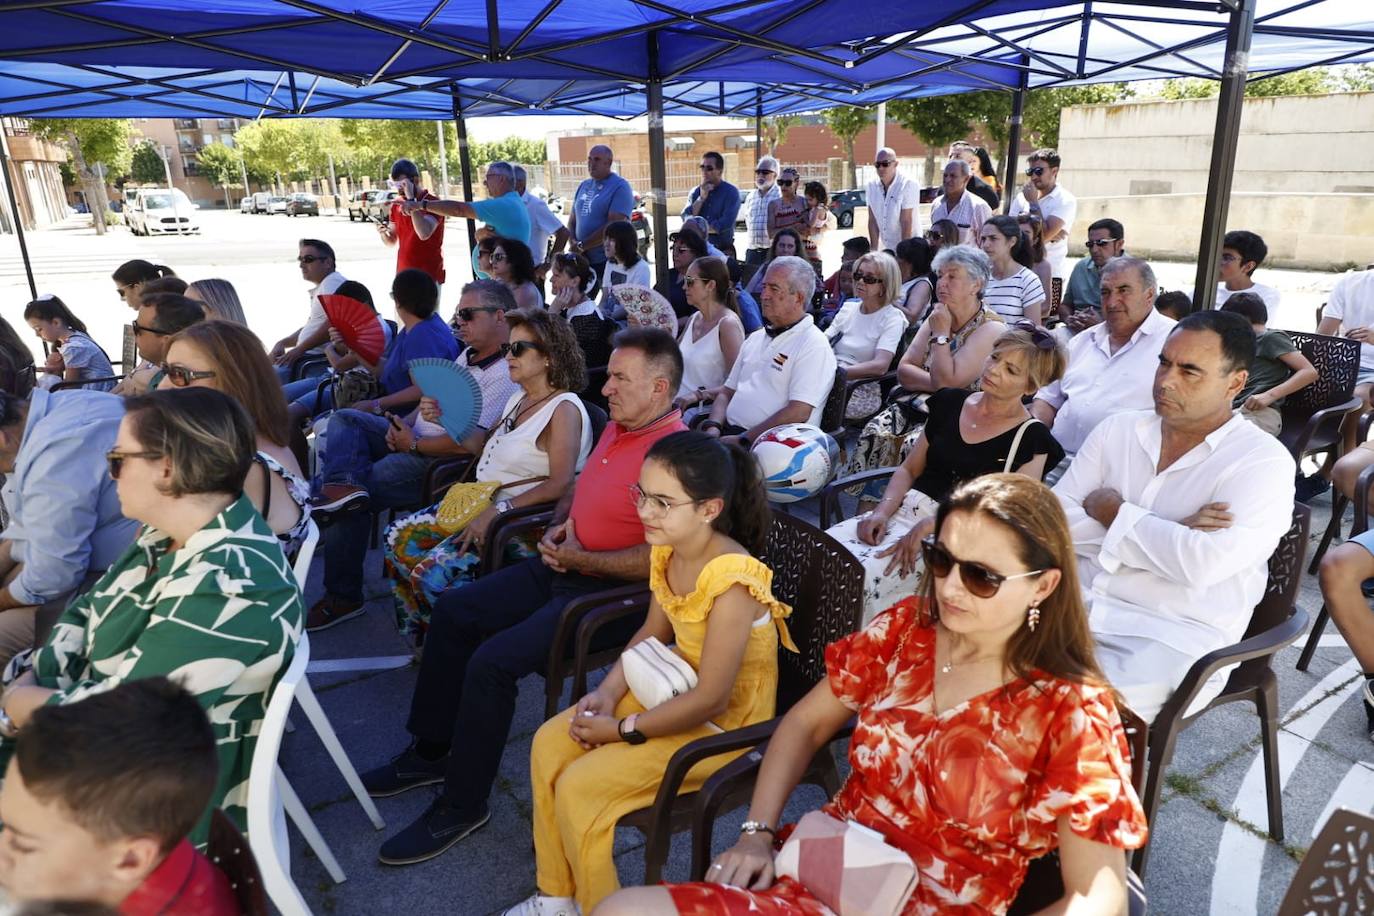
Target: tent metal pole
x=19 y=217
x=1225 y=141
x=1018 y=107
x=464 y=160
x=658 y=167
x=758 y=124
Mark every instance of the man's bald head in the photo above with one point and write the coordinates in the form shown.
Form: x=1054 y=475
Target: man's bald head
x=599 y=161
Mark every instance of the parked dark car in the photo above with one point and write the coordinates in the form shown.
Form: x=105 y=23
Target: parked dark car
x=302 y=205
x=842 y=204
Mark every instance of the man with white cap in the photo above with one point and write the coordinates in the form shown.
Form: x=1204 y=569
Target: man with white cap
x=893 y=204
x=756 y=213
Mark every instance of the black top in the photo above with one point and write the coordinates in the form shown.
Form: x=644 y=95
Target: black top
x=676 y=294
x=984 y=190
x=951 y=461
x=594 y=333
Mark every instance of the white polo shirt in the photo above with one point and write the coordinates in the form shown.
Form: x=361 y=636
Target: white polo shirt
x=1062 y=204
x=887 y=206
x=1100 y=383
x=797 y=365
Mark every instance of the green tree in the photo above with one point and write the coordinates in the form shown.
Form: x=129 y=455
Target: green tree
x=146 y=166
x=1312 y=81
x=1356 y=78
x=775 y=130
x=220 y=165
x=296 y=150
x=938 y=120
x=100 y=148
x=521 y=150
x=845 y=123
x=371 y=146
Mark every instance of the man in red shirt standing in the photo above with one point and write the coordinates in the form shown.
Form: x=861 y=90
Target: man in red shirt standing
x=418 y=236
x=108 y=824
x=486 y=635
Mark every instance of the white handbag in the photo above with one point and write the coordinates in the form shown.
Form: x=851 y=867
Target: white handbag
x=655 y=673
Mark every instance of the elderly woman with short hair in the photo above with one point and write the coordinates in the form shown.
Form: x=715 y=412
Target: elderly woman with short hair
x=947 y=352
x=204 y=594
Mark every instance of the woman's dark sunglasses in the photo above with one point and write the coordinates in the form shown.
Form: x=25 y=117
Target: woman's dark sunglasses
x=1042 y=339
x=867 y=278
x=180 y=376
x=116 y=460
x=978 y=579
x=521 y=347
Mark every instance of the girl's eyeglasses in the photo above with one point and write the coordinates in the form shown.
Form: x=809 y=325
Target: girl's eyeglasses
x=977 y=578
x=116 y=460
x=654 y=505
x=180 y=376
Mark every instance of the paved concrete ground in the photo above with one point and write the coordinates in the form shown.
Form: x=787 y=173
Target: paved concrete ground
x=1208 y=852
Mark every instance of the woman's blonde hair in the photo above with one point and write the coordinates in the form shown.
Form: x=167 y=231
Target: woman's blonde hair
x=243 y=372
x=220 y=298
x=1061 y=644
x=1045 y=357
x=888 y=270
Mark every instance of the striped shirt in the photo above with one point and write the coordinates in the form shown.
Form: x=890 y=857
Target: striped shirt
x=756 y=215
x=1011 y=297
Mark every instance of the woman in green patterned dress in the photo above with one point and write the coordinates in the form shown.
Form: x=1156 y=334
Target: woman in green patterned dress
x=203 y=596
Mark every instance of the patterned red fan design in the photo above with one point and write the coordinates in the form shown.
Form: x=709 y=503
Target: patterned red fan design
x=359 y=325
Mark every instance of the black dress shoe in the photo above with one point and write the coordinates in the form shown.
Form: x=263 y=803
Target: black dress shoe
x=441 y=826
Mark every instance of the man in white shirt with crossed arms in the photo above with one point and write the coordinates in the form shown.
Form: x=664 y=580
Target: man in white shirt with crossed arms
x=1174 y=514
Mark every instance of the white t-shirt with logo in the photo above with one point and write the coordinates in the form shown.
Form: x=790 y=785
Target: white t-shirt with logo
x=797 y=365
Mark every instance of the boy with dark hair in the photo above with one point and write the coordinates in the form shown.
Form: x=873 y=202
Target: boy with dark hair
x=100 y=796
x=1174 y=304
x=1241 y=252
x=852 y=249
x=1279 y=368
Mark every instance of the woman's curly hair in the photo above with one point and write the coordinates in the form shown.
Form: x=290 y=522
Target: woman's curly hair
x=567 y=365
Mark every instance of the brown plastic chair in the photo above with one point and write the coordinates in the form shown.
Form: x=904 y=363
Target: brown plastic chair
x=1276 y=622
x=1359 y=526
x=823 y=583
x=1336 y=877
x=230 y=853
x=1312 y=417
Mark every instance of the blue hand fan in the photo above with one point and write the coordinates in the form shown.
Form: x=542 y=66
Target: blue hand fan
x=458 y=394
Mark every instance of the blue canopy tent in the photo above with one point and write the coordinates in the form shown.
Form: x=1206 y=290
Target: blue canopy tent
x=624 y=58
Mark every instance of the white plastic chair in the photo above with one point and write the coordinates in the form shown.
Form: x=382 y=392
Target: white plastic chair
x=311 y=706
x=271 y=798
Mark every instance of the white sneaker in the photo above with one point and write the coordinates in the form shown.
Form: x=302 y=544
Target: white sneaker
x=539 y=905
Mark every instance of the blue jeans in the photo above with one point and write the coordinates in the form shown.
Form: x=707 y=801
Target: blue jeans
x=284 y=373
x=483 y=637
x=356 y=454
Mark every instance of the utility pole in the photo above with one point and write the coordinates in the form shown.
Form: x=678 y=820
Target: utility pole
x=333 y=182
x=443 y=162
x=881 y=134
x=243 y=170
x=167 y=167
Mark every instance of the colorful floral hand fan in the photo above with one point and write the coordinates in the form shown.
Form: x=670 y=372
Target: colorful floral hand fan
x=646 y=307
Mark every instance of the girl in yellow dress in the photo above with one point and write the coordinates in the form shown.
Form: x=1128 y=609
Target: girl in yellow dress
x=704 y=512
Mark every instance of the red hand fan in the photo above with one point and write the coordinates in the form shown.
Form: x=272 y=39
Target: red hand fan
x=359 y=325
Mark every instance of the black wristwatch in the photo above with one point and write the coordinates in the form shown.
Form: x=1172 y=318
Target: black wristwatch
x=631 y=735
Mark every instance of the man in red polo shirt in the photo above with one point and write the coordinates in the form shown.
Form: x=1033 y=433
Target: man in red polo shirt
x=108 y=824
x=486 y=635
x=418 y=236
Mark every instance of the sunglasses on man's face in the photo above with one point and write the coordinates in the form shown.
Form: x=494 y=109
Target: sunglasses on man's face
x=467 y=314
x=882 y=163
x=1098 y=243
x=181 y=376
x=980 y=581
x=310 y=258
x=785 y=182
x=706 y=168
x=140 y=329
x=763 y=171
x=1036 y=171
x=116 y=460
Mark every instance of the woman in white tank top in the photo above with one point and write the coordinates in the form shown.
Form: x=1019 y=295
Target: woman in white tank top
x=538 y=446
x=713 y=335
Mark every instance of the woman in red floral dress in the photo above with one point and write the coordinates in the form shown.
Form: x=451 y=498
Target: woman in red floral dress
x=986 y=734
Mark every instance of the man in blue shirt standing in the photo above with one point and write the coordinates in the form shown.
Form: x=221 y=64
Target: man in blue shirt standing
x=603 y=198
x=504 y=212
x=65 y=523
x=715 y=200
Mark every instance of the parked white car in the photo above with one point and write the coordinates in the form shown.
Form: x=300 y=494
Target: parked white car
x=162 y=211
x=277 y=205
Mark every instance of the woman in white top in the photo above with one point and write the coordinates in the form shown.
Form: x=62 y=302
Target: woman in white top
x=535 y=450
x=623 y=266
x=1014 y=292
x=867 y=331
x=713 y=335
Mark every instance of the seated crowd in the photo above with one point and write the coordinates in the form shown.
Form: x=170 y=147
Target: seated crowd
x=147 y=621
